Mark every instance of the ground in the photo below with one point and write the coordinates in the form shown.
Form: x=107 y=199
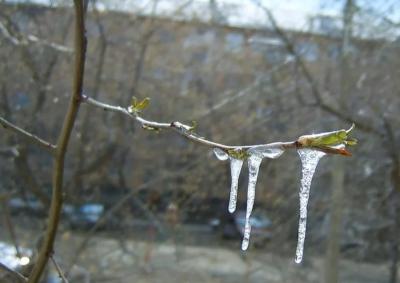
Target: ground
x=112 y=256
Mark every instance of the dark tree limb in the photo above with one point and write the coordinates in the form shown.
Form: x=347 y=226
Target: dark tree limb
x=17 y=277
x=59 y=270
x=46 y=250
x=29 y=136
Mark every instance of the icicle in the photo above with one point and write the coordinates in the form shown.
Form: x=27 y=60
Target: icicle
x=220 y=154
x=254 y=162
x=309 y=161
x=236 y=167
x=269 y=151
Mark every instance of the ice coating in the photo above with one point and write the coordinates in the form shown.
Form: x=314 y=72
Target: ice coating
x=220 y=154
x=254 y=161
x=254 y=157
x=309 y=161
x=269 y=151
x=236 y=166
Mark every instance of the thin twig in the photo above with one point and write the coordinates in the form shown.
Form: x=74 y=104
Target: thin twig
x=187 y=131
x=14 y=273
x=29 y=136
x=58 y=169
x=58 y=268
x=180 y=128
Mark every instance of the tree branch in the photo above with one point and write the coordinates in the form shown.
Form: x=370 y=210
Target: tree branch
x=16 y=275
x=46 y=249
x=60 y=272
x=30 y=137
x=187 y=131
x=180 y=128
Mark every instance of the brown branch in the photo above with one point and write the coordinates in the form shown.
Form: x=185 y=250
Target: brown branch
x=58 y=169
x=16 y=275
x=80 y=166
x=27 y=135
x=59 y=271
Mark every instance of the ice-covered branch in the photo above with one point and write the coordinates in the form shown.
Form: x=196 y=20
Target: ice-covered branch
x=188 y=132
x=29 y=136
x=309 y=147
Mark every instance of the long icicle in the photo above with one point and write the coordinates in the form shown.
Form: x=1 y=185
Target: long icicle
x=254 y=162
x=309 y=161
x=236 y=167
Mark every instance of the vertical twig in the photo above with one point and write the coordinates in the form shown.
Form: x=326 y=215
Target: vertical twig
x=60 y=272
x=46 y=249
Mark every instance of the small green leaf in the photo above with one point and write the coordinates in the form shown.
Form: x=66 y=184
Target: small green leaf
x=193 y=126
x=238 y=153
x=138 y=106
x=332 y=138
x=328 y=139
x=143 y=104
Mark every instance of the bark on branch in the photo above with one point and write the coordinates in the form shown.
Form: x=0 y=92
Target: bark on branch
x=29 y=136
x=46 y=249
x=18 y=277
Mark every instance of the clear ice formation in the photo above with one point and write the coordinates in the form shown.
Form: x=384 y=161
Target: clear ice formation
x=236 y=167
x=309 y=161
x=220 y=154
x=254 y=162
x=256 y=154
x=269 y=151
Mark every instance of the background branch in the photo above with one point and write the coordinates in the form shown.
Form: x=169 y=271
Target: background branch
x=319 y=101
x=15 y=275
x=60 y=272
x=30 y=137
